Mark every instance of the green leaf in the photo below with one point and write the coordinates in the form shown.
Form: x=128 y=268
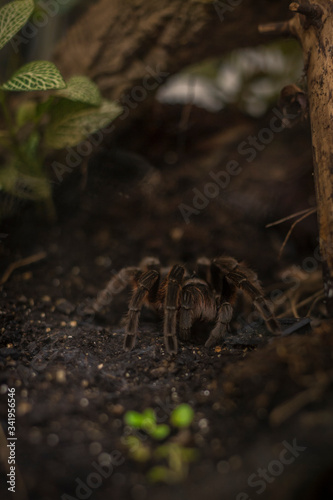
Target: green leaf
x=149 y=419
x=72 y=122
x=13 y=17
x=26 y=113
x=160 y=432
x=161 y=474
x=136 y=449
x=182 y=416
x=134 y=419
x=24 y=186
x=37 y=75
x=82 y=89
x=189 y=454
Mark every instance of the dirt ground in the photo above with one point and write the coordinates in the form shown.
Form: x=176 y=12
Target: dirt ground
x=262 y=406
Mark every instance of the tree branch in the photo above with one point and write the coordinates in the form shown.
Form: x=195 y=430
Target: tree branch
x=118 y=44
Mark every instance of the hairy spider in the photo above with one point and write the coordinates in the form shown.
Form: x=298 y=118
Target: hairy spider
x=181 y=298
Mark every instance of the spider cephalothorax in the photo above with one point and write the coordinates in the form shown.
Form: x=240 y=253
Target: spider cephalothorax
x=181 y=298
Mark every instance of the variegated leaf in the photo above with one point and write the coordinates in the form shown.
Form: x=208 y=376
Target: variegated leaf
x=37 y=75
x=81 y=89
x=73 y=122
x=13 y=17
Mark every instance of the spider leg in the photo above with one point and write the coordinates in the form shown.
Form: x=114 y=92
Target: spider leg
x=116 y=285
x=247 y=281
x=224 y=317
x=171 y=304
x=145 y=285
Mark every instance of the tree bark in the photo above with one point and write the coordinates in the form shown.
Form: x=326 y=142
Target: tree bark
x=120 y=43
x=313 y=26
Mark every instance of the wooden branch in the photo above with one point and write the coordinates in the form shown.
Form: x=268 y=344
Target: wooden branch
x=280 y=29
x=314 y=29
x=119 y=44
x=312 y=11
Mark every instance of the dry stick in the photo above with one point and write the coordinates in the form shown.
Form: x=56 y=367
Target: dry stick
x=292 y=216
x=289 y=408
x=292 y=228
x=294 y=308
x=275 y=28
x=20 y=263
x=319 y=294
x=320 y=297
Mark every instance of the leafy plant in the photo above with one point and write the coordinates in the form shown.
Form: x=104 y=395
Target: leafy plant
x=71 y=112
x=182 y=416
x=147 y=422
x=177 y=457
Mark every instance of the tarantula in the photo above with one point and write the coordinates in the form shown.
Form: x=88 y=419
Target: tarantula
x=181 y=298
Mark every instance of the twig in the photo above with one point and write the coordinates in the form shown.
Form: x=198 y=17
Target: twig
x=292 y=228
x=294 y=308
x=312 y=11
x=282 y=28
x=292 y=216
x=319 y=294
x=320 y=297
x=20 y=263
x=289 y=408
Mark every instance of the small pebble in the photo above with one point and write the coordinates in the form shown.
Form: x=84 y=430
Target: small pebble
x=61 y=376
x=52 y=440
x=117 y=409
x=23 y=408
x=177 y=233
x=84 y=402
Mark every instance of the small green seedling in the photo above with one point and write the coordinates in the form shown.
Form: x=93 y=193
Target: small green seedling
x=138 y=451
x=177 y=457
x=182 y=416
x=146 y=421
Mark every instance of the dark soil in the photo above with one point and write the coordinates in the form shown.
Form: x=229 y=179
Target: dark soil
x=253 y=397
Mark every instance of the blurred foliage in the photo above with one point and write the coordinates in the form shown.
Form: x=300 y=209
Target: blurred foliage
x=67 y=116
x=175 y=456
x=249 y=78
